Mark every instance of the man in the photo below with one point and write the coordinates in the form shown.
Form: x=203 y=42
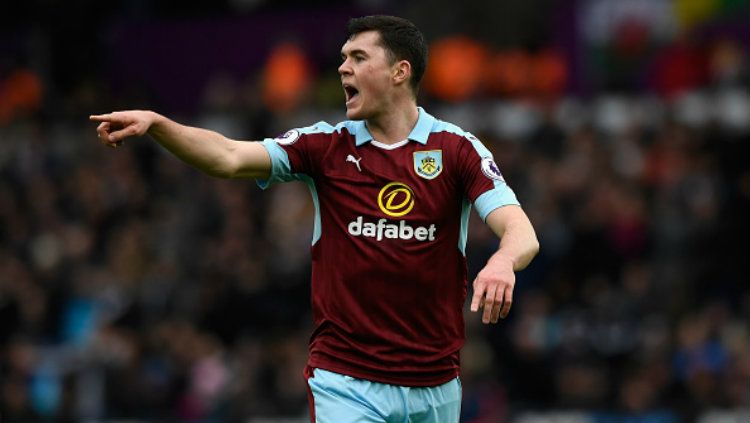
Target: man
x=392 y=189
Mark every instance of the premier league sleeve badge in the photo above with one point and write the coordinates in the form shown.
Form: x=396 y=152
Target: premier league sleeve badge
x=490 y=169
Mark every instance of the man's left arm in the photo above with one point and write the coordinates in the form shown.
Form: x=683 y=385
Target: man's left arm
x=493 y=286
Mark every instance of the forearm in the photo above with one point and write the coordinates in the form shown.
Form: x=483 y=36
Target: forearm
x=203 y=149
x=518 y=241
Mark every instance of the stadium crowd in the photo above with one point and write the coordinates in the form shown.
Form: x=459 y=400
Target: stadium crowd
x=133 y=287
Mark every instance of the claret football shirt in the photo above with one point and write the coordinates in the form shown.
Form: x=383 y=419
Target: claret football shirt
x=388 y=250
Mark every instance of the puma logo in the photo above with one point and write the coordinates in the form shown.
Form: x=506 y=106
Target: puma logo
x=351 y=158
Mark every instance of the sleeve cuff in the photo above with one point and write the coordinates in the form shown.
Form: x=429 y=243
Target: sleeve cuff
x=280 y=168
x=495 y=198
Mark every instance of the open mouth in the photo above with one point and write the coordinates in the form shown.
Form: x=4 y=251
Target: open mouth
x=350 y=92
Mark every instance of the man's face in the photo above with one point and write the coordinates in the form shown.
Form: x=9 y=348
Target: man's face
x=366 y=75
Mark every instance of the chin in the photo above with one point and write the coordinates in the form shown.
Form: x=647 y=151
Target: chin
x=354 y=114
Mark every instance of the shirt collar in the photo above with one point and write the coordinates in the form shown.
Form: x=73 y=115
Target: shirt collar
x=420 y=133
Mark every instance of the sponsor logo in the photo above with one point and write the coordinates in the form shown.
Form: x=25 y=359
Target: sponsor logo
x=396 y=199
x=490 y=169
x=384 y=229
x=428 y=164
x=289 y=137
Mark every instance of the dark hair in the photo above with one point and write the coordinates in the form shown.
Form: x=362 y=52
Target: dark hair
x=401 y=39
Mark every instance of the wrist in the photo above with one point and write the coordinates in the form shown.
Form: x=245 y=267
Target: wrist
x=504 y=257
x=155 y=122
x=155 y=118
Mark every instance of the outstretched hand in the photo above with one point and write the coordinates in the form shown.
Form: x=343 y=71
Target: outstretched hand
x=493 y=288
x=116 y=126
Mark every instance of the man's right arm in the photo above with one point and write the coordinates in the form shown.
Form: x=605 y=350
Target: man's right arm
x=203 y=149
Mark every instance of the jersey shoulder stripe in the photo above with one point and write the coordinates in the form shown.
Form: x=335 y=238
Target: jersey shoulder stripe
x=442 y=126
x=321 y=127
x=353 y=128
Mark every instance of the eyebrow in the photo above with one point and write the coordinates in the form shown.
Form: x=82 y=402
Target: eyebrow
x=353 y=52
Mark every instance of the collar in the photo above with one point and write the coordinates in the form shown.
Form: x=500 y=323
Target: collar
x=420 y=133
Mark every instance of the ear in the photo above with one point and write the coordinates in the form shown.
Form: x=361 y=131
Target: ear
x=401 y=72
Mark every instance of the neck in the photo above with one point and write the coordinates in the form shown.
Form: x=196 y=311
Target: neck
x=394 y=125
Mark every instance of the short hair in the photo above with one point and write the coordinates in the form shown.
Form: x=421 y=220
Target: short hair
x=401 y=39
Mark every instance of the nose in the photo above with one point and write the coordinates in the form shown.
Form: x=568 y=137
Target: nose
x=345 y=69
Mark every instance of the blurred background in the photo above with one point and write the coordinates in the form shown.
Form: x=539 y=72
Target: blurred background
x=133 y=288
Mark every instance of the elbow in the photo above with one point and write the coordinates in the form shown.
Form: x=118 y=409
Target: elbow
x=534 y=247
x=533 y=242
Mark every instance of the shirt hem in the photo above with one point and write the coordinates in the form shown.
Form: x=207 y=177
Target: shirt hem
x=410 y=381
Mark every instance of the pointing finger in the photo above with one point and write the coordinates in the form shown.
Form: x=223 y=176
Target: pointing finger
x=101 y=118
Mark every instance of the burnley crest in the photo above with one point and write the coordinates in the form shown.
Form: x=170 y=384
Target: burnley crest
x=428 y=164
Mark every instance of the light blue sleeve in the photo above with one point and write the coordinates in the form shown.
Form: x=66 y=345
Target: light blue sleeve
x=501 y=194
x=281 y=170
x=495 y=198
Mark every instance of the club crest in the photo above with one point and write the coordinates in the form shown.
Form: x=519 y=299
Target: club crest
x=428 y=164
